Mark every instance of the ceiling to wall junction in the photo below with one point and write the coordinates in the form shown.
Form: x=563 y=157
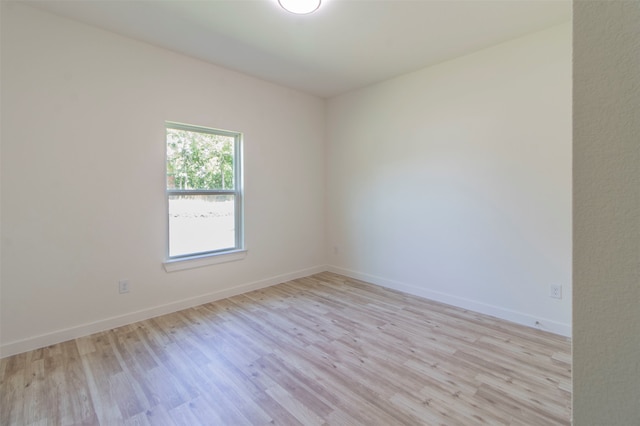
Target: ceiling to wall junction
x=345 y=45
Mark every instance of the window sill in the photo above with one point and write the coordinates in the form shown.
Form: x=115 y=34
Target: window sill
x=203 y=260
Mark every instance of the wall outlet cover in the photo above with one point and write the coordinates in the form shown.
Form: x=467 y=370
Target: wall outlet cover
x=555 y=291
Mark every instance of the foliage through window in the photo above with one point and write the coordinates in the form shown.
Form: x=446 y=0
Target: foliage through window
x=203 y=190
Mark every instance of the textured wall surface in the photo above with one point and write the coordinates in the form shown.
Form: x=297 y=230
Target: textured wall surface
x=606 y=303
x=454 y=182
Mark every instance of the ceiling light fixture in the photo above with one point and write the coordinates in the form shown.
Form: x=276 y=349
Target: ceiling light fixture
x=301 y=7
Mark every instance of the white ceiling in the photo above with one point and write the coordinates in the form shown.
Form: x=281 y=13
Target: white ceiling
x=346 y=44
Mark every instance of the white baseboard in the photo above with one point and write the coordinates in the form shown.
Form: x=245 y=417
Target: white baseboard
x=58 y=336
x=473 y=305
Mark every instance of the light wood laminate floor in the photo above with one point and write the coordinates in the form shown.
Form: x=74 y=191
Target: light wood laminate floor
x=319 y=350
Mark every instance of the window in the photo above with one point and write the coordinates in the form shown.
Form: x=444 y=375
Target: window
x=204 y=191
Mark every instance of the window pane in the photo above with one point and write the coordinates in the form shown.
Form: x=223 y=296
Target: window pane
x=201 y=223
x=197 y=160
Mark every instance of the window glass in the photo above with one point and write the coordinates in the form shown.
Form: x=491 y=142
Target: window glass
x=203 y=190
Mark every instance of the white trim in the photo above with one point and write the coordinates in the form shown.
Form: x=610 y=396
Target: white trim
x=473 y=305
x=191 y=262
x=237 y=192
x=58 y=336
x=63 y=335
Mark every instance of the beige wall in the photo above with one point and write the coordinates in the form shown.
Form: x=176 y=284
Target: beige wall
x=454 y=182
x=83 y=205
x=606 y=257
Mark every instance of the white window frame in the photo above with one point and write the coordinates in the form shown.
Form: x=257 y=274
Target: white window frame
x=194 y=260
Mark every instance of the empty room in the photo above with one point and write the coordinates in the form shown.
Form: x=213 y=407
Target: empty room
x=303 y=212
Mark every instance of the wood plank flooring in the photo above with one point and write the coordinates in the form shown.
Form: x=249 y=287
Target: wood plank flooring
x=325 y=349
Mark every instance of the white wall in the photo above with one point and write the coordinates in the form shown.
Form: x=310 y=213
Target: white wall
x=606 y=257
x=454 y=182
x=83 y=204
x=469 y=162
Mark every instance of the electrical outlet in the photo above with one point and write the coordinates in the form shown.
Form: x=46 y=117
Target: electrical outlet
x=123 y=286
x=555 y=291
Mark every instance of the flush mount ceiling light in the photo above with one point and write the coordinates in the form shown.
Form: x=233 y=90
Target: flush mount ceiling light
x=301 y=7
